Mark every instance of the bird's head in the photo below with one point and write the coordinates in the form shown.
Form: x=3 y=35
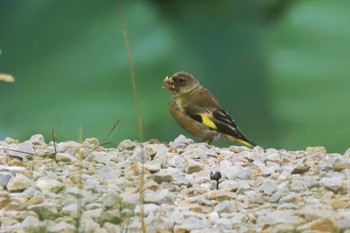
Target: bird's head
x=180 y=82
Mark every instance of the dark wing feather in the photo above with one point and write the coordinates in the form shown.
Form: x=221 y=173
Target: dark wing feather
x=202 y=102
x=227 y=126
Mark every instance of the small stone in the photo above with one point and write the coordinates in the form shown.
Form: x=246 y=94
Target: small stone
x=91 y=143
x=298 y=185
x=268 y=186
x=158 y=224
x=213 y=216
x=65 y=157
x=110 y=228
x=153 y=166
x=127 y=145
x=341 y=203
x=102 y=157
x=16 y=162
x=325 y=163
x=46 y=210
x=316 y=150
x=23 y=150
x=152 y=149
x=9 y=140
x=77 y=192
x=220 y=195
x=92 y=214
x=70 y=210
x=191 y=224
x=49 y=186
x=225 y=207
x=112 y=200
x=257 y=154
x=195 y=208
x=273 y=157
x=193 y=166
x=37 y=198
x=223 y=224
x=324 y=225
x=254 y=197
x=285 y=228
x=37 y=139
x=7 y=221
x=152 y=185
x=291 y=198
x=205 y=202
x=243 y=186
x=4 y=179
x=344 y=223
x=300 y=169
x=268 y=170
x=316 y=210
x=61 y=227
x=332 y=183
x=279 y=217
x=238 y=149
x=237 y=171
x=32 y=224
x=4 y=199
x=228 y=185
x=196 y=151
x=147 y=208
x=158 y=197
x=139 y=156
x=18 y=183
x=93 y=206
x=176 y=161
x=129 y=200
x=181 y=140
x=89 y=226
x=340 y=163
x=11 y=168
x=112 y=216
x=162 y=176
x=276 y=197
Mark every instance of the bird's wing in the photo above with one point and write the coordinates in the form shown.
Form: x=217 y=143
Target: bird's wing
x=200 y=105
x=206 y=110
x=229 y=128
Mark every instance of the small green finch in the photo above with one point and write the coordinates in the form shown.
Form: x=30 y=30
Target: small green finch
x=197 y=111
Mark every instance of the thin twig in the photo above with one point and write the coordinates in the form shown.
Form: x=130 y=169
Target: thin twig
x=23 y=152
x=53 y=137
x=137 y=110
x=109 y=134
x=131 y=69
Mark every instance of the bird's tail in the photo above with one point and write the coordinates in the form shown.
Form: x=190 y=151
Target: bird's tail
x=244 y=141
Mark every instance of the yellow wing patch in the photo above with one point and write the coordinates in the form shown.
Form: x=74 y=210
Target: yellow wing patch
x=207 y=120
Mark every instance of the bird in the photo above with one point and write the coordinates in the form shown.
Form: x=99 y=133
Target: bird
x=197 y=111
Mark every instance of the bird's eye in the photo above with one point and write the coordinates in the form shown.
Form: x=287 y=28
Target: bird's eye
x=180 y=80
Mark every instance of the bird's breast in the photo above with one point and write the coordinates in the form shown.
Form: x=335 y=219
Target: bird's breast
x=180 y=103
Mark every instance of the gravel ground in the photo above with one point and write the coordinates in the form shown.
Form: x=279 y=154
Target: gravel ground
x=188 y=187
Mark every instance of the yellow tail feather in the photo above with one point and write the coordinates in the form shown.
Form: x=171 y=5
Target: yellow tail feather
x=233 y=139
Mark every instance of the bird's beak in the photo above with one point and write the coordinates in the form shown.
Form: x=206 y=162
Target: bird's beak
x=168 y=84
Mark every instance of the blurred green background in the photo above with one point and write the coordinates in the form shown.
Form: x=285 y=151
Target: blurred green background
x=280 y=68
